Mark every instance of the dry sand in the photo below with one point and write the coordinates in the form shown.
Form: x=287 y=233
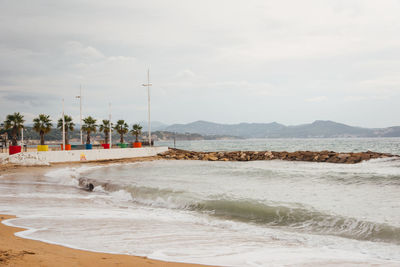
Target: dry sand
x=16 y=251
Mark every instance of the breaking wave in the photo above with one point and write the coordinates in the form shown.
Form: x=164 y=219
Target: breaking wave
x=300 y=219
x=287 y=216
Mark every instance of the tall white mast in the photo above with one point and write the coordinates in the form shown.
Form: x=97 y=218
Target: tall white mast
x=80 y=110
x=22 y=138
x=109 y=117
x=63 y=125
x=148 y=100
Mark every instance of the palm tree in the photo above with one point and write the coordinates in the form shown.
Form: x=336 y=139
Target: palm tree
x=105 y=128
x=89 y=127
x=15 y=123
x=42 y=124
x=136 y=131
x=122 y=128
x=68 y=124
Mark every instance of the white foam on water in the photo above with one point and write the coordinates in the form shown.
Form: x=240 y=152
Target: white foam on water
x=70 y=175
x=184 y=237
x=121 y=195
x=45 y=196
x=100 y=189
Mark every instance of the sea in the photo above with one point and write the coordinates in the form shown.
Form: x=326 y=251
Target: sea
x=256 y=213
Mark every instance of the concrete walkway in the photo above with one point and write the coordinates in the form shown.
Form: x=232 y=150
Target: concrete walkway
x=47 y=157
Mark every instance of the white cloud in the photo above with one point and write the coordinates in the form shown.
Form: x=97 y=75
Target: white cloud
x=77 y=49
x=317 y=99
x=185 y=74
x=264 y=57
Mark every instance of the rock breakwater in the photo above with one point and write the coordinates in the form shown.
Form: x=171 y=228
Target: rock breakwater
x=313 y=156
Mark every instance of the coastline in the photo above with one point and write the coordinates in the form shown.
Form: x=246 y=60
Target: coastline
x=21 y=255
x=11 y=167
x=17 y=251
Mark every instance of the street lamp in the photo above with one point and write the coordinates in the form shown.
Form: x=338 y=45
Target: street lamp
x=22 y=137
x=63 y=125
x=148 y=99
x=110 y=140
x=80 y=106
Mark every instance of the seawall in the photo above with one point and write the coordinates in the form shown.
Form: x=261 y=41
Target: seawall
x=313 y=156
x=47 y=157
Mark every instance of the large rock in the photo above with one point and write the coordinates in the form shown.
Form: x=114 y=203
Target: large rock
x=212 y=158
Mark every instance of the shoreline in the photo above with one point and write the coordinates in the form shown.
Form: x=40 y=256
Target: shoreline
x=180 y=154
x=10 y=167
x=18 y=251
x=21 y=255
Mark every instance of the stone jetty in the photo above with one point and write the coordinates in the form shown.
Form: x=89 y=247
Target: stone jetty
x=313 y=156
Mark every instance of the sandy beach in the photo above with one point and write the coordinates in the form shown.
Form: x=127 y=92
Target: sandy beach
x=177 y=211
x=16 y=251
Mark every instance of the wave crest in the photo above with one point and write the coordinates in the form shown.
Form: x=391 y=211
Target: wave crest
x=287 y=216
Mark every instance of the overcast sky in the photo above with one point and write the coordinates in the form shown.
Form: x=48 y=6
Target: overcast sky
x=223 y=61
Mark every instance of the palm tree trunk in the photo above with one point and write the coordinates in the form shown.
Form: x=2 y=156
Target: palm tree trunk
x=88 y=138
x=66 y=137
x=122 y=139
x=106 y=137
x=14 y=137
x=42 y=138
x=137 y=138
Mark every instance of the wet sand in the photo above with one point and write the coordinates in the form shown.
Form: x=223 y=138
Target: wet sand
x=16 y=251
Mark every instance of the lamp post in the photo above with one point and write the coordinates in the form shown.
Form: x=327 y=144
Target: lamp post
x=63 y=125
x=109 y=117
x=22 y=138
x=148 y=100
x=80 y=113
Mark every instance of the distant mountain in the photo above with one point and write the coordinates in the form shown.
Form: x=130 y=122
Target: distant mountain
x=245 y=130
x=164 y=135
x=317 y=129
x=155 y=125
x=204 y=130
x=325 y=129
x=388 y=132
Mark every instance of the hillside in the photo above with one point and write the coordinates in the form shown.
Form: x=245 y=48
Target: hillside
x=203 y=130
x=317 y=129
x=244 y=130
x=55 y=135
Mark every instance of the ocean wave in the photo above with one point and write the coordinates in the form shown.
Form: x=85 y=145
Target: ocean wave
x=70 y=175
x=299 y=219
x=289 y=216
